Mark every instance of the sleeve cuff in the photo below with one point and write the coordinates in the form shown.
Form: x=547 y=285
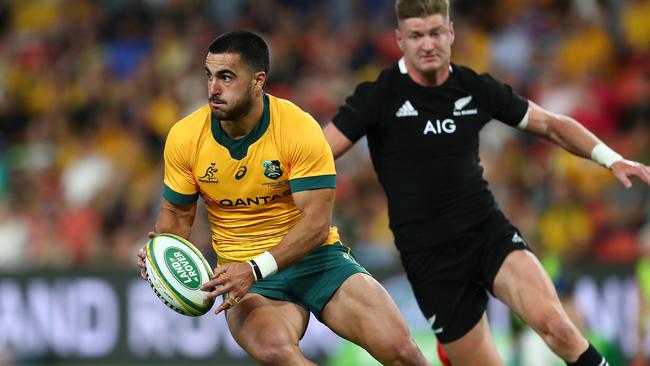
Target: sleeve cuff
x=179 y=199
x=309 y=183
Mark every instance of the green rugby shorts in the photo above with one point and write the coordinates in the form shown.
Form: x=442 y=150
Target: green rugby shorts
x=312 y=281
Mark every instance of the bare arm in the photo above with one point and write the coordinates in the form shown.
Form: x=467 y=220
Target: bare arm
x=336 y=139
x=575 y=138
x=172 y=219
x=562 y=130
x=309 y=233
x=312 y=229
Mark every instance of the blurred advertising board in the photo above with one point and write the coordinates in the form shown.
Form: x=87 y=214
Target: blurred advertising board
x=113 y=317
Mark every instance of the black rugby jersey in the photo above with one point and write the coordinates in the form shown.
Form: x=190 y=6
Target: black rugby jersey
x=424 y=144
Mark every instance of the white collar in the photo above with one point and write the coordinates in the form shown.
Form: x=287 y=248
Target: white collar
x=402 y=66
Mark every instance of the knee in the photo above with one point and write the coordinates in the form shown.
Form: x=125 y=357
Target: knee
x=273 y=347
x=278 y=354
x=557 y=328
x=401 y=351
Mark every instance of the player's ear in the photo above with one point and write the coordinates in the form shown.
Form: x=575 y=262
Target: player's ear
x=451 y=32
x=398 y=38
x=259 y=79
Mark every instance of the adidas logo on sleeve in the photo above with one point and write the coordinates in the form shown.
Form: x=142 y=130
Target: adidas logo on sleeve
x=406 y=110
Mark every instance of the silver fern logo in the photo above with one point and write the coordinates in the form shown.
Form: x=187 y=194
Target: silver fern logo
x=460 y=104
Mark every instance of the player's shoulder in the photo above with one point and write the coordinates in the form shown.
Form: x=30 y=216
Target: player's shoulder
x=288 y=113
x=190 y=126
x=463 y=70
x=292 y=126
x=371 y=90
x=386 y=78
x=478 y=84
x=283 y=105
x=469 y=76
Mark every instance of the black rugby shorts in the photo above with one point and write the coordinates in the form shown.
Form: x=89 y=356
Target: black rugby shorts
x=451 y=280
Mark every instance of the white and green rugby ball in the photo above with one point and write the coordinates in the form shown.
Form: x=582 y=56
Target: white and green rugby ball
x=175 y=271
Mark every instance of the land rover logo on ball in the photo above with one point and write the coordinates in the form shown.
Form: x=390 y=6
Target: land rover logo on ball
x=272 y=169
x=183 y=268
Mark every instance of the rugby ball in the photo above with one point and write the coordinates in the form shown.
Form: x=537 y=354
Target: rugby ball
x=175 y=271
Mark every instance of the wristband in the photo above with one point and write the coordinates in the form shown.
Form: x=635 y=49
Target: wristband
x=605 y=156
x=263 y=265
x=255 y=269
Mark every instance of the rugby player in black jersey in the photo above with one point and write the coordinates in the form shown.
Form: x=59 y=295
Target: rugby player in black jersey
x=422 y=119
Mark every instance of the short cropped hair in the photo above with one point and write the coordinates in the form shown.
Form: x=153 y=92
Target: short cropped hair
x=405 y=9
x=251 y=48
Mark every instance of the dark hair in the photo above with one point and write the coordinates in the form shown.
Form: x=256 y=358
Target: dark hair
x=405 y=9
x=251 y=47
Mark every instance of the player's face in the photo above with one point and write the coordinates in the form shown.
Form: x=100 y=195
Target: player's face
x=426 y=42
x=231 y=85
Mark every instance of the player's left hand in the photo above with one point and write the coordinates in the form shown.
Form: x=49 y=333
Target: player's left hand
x=232 y=278
x=141 y=257
x=625 y=169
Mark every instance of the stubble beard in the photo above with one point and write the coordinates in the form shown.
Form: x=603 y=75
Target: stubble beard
x=238 y=110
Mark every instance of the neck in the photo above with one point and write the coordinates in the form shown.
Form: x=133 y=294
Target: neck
x=431 y=79
x=242 y=126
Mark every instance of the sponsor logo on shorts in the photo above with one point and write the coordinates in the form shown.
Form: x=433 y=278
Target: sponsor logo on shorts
x=432 y=324
x=518 y=239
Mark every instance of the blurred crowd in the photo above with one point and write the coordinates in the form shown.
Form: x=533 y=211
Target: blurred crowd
x=89 y=89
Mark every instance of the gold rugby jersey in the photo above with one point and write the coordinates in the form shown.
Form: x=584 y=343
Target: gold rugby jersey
x=247 y=183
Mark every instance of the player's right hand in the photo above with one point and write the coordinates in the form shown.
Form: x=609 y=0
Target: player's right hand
x=142 y=256
x=625 y=169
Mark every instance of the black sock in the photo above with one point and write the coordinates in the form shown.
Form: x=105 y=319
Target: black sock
x=590 y=357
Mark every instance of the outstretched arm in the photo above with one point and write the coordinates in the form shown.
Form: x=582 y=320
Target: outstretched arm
x=575 y=138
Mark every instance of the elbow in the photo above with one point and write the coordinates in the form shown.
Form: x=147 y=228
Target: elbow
x=321 y=231
x=560 y=129
x=553 y=129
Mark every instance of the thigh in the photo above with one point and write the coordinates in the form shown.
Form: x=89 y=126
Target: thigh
x=474 y=348
x=313 y=281
x=257 y=322
x=500 y=239
x=447 y=286
x=523 y=285
x=362 y=311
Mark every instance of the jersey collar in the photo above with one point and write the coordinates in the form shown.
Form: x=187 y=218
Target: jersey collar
x=402 y=66
x=239 y=148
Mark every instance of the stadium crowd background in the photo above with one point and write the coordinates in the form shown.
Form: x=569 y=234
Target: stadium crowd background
x=89 y=89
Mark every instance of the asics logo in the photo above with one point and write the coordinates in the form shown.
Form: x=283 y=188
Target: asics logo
x=241 y=173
